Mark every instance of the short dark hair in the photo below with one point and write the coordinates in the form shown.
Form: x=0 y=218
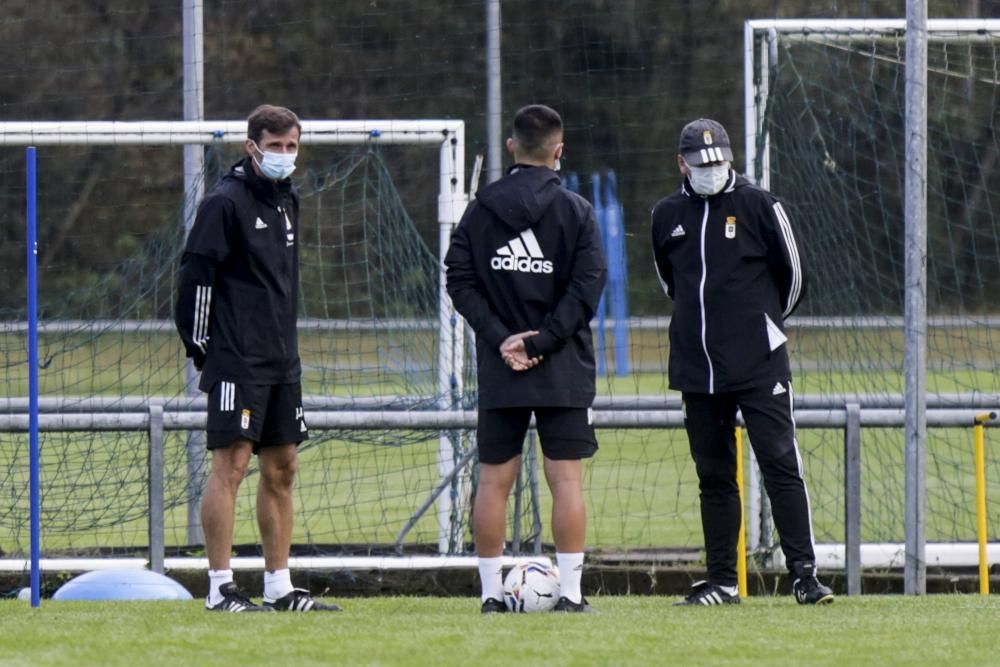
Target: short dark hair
x=276 y=120
x=534 y=125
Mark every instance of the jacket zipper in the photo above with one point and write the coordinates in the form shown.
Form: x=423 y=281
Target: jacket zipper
x=701 y=301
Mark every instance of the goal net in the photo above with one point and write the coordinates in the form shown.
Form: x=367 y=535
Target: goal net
x=825 y=127
x=370 y=332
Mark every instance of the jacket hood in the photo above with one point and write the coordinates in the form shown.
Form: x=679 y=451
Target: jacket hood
x=521 y=198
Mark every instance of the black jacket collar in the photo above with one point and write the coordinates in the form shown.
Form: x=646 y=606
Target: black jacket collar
x=264 y=189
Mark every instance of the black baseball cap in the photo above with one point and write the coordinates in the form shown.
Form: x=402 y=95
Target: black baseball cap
x=704 y=141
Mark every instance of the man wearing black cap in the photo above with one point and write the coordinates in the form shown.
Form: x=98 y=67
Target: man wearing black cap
x=726 y=255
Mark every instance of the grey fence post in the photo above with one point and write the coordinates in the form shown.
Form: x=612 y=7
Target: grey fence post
x=852 y=498
x=156 y=531
x=515 y=532
x=536 y=503
x=445 y=482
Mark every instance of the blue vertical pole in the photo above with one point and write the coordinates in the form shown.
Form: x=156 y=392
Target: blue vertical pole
x=571 y=181
x=617 y=290
x=602 y=305
x=32 y=252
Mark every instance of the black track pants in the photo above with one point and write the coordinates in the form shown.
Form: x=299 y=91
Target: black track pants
x=710 y=420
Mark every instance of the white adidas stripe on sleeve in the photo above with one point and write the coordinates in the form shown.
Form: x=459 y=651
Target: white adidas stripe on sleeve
x=793 y=253
x=202 y=306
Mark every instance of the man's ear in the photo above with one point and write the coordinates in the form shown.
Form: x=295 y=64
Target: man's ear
x=510 y=145
x=559 y=150
x=249 y=146
x=682 y=165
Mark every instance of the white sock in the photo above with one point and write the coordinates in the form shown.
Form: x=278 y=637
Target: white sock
x=570 y=572
x=491 y=576
x=277 y=584
x=730 y=590
x=215 y=579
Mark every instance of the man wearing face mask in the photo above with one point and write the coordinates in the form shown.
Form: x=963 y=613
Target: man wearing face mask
x=236 y=314
x=726 y=255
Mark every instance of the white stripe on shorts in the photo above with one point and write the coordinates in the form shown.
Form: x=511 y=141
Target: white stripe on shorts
x=227 y=396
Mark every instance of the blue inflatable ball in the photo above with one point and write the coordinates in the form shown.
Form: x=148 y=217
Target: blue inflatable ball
x=121 y=585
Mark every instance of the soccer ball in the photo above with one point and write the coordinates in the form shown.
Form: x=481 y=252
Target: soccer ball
x=531 y=587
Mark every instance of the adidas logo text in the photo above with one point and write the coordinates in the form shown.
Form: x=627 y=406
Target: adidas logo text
x=778 y=389
x=523 y=254
x=678 y=231
x=524 y=265
x=260 y=224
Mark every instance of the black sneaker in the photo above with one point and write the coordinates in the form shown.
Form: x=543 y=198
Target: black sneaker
x=705 y=593
x=493 y=606
x=581 y=607
x=806 y=586
x=299 y=600
x=234 y=601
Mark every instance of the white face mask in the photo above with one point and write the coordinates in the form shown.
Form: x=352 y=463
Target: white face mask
x=709 y=180
x=277 y=166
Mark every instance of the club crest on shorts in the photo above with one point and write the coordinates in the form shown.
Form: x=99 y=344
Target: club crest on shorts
x=245 y=419
x=731 y=227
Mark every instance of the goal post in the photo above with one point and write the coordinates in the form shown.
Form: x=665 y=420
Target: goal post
x=447 y=135
x=827 y=116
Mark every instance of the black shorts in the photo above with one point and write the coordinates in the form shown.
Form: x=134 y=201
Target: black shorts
x=265 y=414
x=564 y=433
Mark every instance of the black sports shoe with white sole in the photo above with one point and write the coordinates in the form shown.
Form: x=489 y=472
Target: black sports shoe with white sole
x=234 y=601
x=581 y=607
x=493 y=606
x=299 y=600
x=708 y=594
x=806 y=587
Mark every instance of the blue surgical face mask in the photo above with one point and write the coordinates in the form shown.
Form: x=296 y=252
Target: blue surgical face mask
x=277 y=166
x=709 y=180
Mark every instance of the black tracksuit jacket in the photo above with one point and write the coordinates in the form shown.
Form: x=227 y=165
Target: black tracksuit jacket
x=238 y=288
x=527 y=256
x=731 y=264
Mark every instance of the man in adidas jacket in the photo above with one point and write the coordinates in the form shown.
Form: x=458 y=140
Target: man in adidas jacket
x=726 y=255
x=236 y=314
x=525 y=268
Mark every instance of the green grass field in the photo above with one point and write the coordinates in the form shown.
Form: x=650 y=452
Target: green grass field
x=873 y=630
